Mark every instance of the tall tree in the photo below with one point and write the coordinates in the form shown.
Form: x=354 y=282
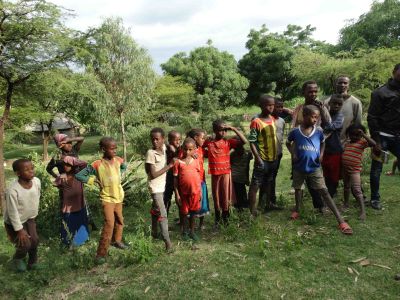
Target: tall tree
x=33 y=38
x=125 y=70
x=377 y=28
x=211 y=72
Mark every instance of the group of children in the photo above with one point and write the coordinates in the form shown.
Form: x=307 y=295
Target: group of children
x=177 y=168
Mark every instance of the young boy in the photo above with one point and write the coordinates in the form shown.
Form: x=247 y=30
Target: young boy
x=240 y=164
x=22 y=206
x=306 y=145
x=156 y=169
x=219 y=167
x=106 y=172
x=174 y=143
x=264 y=146
x=331 y=164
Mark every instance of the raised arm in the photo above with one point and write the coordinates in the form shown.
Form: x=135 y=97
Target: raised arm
x=238 y=133
x=79 y=141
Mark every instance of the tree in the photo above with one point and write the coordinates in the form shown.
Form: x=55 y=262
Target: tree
x=268 y=62
x=210 y=72
x=377 y=28
x=33 y=38
x=124 y=69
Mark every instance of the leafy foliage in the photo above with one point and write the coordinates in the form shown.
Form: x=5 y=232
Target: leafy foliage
x=212 y=73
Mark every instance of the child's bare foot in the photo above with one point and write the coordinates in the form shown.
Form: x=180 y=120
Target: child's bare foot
x=363 y=216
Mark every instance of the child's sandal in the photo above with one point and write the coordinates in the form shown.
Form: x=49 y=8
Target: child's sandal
x=345 y=228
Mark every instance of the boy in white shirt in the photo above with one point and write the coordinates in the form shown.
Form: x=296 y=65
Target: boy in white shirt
x=22 y=206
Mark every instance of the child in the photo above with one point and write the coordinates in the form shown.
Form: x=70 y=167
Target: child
x=187 y=185
x=306 y=145
x=22 y=206
x=331 y=164
x=220 y=168
x=264 y=146
x=240 y=164
x=156 y=169
x=352 y=163
x=107 y=173
x=174 y=143
x=74 y=228
x=199 y=136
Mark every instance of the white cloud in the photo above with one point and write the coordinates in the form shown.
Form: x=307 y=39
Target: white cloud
x=166 y=27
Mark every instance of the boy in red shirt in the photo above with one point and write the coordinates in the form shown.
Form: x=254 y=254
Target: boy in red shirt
x=219 y=167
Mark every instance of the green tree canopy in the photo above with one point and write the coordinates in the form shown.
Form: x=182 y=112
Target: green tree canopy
x=380 y=27
x=212 y=73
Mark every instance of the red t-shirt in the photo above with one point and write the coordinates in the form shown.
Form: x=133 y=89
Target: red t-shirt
x=189 y=177
x=219 y=155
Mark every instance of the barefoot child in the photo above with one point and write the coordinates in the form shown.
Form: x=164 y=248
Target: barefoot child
x=352 y=163
x=74 y=227
x=22 y=206
x=107 y=174
x=306 y=145
x=187 y=185
x=199 y=136
x=172 y=151
x=156 y=168
x=220 y=168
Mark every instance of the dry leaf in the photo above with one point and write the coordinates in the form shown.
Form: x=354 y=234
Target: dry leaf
x=283 y=296
x=147 y=289
x=214 y=275
x=350 y=270
x=382 y=266
x=355 y=271
x=356 y=279
x=358 y=260
x=365 y=262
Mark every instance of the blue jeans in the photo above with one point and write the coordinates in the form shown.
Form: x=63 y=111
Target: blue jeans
x=391 y=144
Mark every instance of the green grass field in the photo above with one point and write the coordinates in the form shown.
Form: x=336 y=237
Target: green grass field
x=269 y=258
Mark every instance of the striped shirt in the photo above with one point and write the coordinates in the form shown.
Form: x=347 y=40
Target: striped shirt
x=353 y=154
x=263 y=135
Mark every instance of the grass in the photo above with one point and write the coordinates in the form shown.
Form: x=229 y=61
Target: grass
x=269 y=258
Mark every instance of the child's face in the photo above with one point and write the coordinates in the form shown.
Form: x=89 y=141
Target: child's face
x=175 y=140
x=278 y=108
x=311 y=119
x=219 y=131
x=342 y=85
x=267 y=106
x=26 y=171
x=110 y=150
x=67 y=168
x=335 y=105
x=310 y=93
x=66 y=147
x=200 y=139
x=157 y=140
x=188 y=149
x=355 y=135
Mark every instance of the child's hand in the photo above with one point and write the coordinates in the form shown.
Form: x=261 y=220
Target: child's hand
x=377 y=150
x=195 y=155
x=260 y=162
x=178 y=200
x=22 y=238
x=63 y=178
x=172 y=162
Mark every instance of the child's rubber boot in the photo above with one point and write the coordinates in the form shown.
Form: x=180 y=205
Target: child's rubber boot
x=19 y=265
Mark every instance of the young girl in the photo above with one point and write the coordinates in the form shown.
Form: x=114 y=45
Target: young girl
x=352 y=163
x=106 y=172
x=74 y=228
x=199 y=136
x=187 y=184
x=219 y=167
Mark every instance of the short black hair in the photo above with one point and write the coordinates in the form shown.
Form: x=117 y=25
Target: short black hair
x=157 y=130
x=307 y=83
x=192 y=133
x=342 y=76
x=16 y=165
x=396 y=67
x=217 y=123
x=172 y=134
x=337 y=97
x=354 y=127
x=105 y=140
x=265 y=97
x=189 y=140
x=309 y=109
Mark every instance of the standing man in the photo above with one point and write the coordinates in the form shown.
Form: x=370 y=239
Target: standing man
x=352 y=107
x=384 y=126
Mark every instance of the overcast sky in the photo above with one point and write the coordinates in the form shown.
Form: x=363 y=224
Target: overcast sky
x=165 y=27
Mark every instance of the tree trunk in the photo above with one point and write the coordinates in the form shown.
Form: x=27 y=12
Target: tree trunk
x=46 y=138
x=3 y=120
x=122 y=124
